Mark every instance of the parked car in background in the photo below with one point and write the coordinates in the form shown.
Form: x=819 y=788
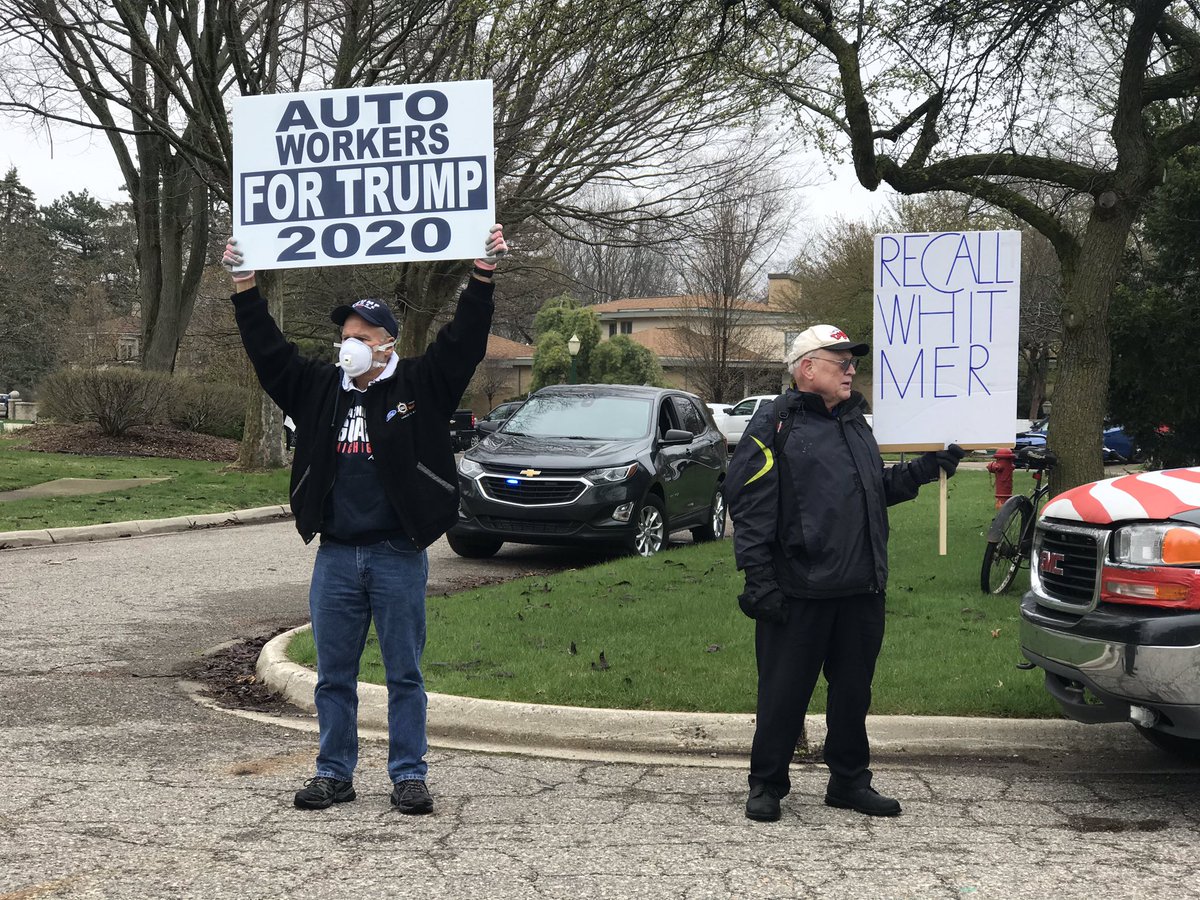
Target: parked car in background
x=1034 y=436
x=1117 y=446
x=1113 y=611
x=4 y=406
x=462 y=430
x=615 y=465
x=733 y=419
x=499 y=413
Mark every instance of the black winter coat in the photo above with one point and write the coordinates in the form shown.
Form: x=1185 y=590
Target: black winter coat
x=407 y=414
x=819 y=513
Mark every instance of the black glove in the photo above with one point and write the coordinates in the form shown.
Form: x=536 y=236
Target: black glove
x=762 y=598
x=945 y=460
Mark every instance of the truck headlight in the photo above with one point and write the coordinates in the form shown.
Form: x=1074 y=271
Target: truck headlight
x=468 y=468
x=1158 y=544
x=611 y=475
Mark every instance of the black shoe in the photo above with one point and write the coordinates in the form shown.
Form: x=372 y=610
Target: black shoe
x=763 y=804
x=865 y=800
x=412 y=798
x=322 y=792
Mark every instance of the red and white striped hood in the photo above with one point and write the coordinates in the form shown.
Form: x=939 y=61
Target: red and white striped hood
x=1148 y=495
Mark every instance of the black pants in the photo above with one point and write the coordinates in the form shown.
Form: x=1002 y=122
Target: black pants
x=844 y=636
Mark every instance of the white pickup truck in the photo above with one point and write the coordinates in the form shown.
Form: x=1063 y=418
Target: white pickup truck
x=732 y=420
x=1113 y=612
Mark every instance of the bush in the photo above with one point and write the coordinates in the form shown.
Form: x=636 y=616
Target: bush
x=216 y=409
x=116 y=399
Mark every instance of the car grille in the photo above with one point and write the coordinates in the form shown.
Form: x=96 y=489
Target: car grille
x=546 y=473
x=524 y=526
x=532 y=491
x=1077 y=583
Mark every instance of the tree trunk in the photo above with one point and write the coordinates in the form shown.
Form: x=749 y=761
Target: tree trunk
x=427 y=290
x=1039 y=360
x=262 y=440
x=1081 y=390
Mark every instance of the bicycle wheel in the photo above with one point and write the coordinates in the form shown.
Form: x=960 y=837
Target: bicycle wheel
x=1002 y=559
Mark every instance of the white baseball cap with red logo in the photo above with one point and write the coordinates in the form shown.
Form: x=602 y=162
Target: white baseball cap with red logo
x=822 y=337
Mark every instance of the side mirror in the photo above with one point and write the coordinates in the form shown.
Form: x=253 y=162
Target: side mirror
x=728 y=410
x=677 y=436
x=487 y=427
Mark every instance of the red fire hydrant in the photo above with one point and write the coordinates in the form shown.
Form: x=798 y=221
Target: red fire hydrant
x=1002 y=474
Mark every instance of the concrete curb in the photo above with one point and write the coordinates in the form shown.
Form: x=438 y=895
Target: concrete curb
x=566 y=730
x=108 y=531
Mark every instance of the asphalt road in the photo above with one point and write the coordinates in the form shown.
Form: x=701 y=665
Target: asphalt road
x=120 y=786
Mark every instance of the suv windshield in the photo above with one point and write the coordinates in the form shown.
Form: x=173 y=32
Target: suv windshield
x=582 y=416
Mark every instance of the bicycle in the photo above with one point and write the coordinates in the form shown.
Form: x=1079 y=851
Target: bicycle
x=1010 y=536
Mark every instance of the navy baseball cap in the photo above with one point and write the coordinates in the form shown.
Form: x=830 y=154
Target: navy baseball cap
x=374 y=311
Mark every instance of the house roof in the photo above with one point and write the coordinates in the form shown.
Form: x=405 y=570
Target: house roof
x=502 y=348
x=672 y=304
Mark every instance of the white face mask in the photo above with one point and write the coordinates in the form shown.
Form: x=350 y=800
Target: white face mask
x=356 y=358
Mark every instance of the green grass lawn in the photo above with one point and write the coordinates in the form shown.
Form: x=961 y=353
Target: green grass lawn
x=673 y=637
x=191 y=487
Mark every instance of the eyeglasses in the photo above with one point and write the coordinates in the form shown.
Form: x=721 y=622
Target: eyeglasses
x=844 y=364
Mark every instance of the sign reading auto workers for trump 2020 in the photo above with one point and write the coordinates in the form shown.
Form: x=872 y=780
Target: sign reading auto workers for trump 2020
x=365 y=175
x=945 y=344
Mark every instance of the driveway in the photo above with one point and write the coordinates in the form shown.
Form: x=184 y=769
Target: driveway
x=120 y=786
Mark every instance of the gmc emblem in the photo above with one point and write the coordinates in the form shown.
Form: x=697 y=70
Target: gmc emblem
x=1050 y=563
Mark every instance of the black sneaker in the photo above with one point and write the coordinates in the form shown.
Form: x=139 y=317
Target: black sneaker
x=865 y=800
x=322 y=792
x=411 y=797
x=762 y=804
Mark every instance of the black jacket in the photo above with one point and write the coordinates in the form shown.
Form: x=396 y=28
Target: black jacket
x=817 y=510
x=407 y=415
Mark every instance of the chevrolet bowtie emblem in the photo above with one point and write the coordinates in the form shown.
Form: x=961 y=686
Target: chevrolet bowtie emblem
x=531 y=473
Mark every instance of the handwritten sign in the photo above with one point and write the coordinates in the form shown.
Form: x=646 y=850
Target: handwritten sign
x=945 y=344
x=365 y=175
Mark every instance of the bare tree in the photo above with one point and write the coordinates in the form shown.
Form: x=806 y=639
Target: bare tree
x=998 y=99
x=490 y=379
x=608 y=257
x=729 y=242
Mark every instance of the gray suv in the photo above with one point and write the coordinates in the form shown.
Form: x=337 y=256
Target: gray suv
x=603 y=464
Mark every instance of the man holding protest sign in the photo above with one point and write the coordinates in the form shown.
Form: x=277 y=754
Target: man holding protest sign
x=808 y=494
x=374 y=475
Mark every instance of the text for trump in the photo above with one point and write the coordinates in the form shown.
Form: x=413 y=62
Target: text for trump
x=388 y=174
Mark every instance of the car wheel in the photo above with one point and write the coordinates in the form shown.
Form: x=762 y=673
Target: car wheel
x=473 y=548
x=1187 y=749
x=714 y=528
x=649 y=533
x=473 y=441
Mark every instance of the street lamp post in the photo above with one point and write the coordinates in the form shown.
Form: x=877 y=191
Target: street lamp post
x=573 y=349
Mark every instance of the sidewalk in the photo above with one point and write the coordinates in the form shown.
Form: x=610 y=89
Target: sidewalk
x=574 y=732
x=11 y=540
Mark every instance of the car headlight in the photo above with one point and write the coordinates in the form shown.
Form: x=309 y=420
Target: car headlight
x=468 y=468
x=611 y=475
x=1160 y=544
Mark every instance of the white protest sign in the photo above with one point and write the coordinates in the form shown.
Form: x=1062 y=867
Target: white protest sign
x=364 y=175
x=945 y=343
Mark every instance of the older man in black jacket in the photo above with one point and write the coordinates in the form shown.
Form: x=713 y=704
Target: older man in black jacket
x=808 y=496
x=373 y=473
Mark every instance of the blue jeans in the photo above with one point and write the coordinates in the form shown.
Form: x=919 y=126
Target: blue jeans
x=351 y=586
